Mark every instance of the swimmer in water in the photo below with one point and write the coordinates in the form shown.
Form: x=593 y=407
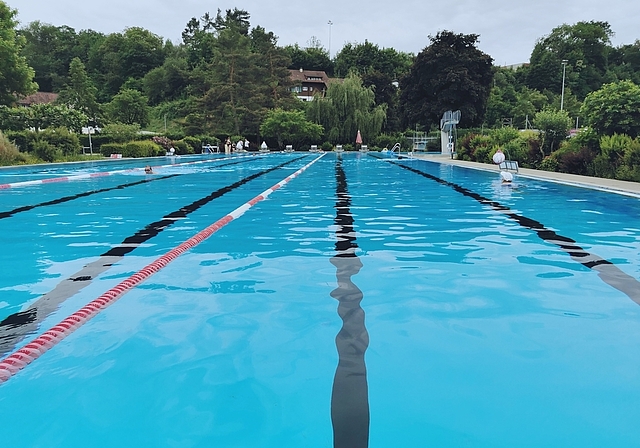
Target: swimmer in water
x=148 y=170
x=506 y=177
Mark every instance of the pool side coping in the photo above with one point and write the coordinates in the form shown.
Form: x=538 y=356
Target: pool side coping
x=612 y=185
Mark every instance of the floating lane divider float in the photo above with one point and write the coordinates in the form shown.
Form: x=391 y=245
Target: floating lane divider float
x=108 y=173
x=25 y=355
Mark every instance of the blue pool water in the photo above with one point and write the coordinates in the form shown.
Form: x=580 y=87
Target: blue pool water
x=369 y=302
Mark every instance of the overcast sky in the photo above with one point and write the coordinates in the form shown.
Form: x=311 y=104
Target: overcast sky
x=508 y=29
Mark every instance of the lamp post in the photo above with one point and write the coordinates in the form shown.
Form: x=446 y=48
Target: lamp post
x=564 y=71
x=329 y=23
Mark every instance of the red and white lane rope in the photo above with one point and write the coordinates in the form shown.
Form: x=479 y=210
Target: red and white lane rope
x=108 y=173
x=25 y=355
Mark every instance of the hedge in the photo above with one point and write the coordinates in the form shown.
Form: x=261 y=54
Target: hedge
x=143 y=148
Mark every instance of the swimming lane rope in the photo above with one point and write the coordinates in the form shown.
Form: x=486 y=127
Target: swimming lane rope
x=25 y=355
x=106 y=173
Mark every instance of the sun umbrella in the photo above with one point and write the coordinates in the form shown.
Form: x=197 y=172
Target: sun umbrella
x=358 y=138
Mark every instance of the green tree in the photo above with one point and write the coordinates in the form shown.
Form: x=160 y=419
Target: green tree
x=121 y=133
x=510 y=99
x=271 y=72
x=450 y=74
x=585 y=47
x=41 y=116
x=368 y=57
x=246 y=77
x=199 y=40
x=309 y=58
x=80 y=93
x=127 y=56
x=45 y=116
x=16 y=77
x=290 y=127
x=49 y=50
x=14 y=118
x=168 y=82
x=380 y=69
x=554 y=126
x=615 y=108
x=347 y=108
x=230 y=80
x=129 y=107
x=624 y=62
x=9 y=153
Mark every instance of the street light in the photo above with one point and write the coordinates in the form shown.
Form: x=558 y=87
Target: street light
x=564 y=71
x=329 y=23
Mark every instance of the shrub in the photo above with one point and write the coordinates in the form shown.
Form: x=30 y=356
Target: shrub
x=576 y=162
x=61 y=139
x=387 y=140
x=464 y=149
x=194 y=145
x=630 y=169
x=550 y=163
x=534 y=153
x=9 y=153
x=434 y=145
x=209 y=140
x=46 y=151
x=614 y=147
x=174 y=135
x=111 y=148
x=475 y=147
x=502 y=136
x=517 y=149
x=144 y=148
x=628 y=173
x=22 y=139
x=182 y=148
x=121 y=133
x=165 y=142
x=327 y=146
x=483 y=153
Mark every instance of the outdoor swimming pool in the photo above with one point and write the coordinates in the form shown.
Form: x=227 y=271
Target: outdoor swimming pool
x=367 y=302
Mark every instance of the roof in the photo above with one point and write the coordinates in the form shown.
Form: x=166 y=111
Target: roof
x=313 y=76
x=38 y=98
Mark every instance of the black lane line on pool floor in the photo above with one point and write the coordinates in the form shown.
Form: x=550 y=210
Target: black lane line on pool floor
x=15 y=327
x=350 y=394
x=607 y=271
x=26 y=208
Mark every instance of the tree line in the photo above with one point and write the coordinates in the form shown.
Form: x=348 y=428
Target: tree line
x=228 y=78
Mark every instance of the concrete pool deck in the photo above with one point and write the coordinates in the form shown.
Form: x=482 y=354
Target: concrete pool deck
x=617 y=186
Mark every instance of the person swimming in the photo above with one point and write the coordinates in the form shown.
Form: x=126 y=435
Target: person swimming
x=506 y=177
x=148 y=170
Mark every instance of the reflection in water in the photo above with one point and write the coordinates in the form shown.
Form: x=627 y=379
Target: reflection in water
x=350 y=395
x=18 y=326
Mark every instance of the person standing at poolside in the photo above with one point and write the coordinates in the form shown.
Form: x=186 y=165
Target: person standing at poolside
x=227 y=146
x=239 y=146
